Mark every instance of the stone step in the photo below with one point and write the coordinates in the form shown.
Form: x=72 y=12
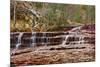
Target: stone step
x=47 y=38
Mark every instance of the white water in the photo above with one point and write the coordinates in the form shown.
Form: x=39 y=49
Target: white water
x=19 y=40
x=81 y=39
x=64 y=41
x=45 y=39
x=75 y=32
x=18 y=43
x=33 y=39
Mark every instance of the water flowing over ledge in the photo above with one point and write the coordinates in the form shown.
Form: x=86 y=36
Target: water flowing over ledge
x=35 y=39
x=76 y=45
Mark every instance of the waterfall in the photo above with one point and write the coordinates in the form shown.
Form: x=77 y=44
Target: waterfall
x=19 y=40
x=72 y=37
x=33 y=38
x=44 y=39
x=65 y=39
x=81 y=39
x=18 y=43
x=75 y=32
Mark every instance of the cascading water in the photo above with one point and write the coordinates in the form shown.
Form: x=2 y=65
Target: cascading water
x=81 y=38
x=33 y=44
x=75 y=32
x=44 y=39
x=19 y=40
x=64 y=41
x=69 y=38
x=18 y=43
